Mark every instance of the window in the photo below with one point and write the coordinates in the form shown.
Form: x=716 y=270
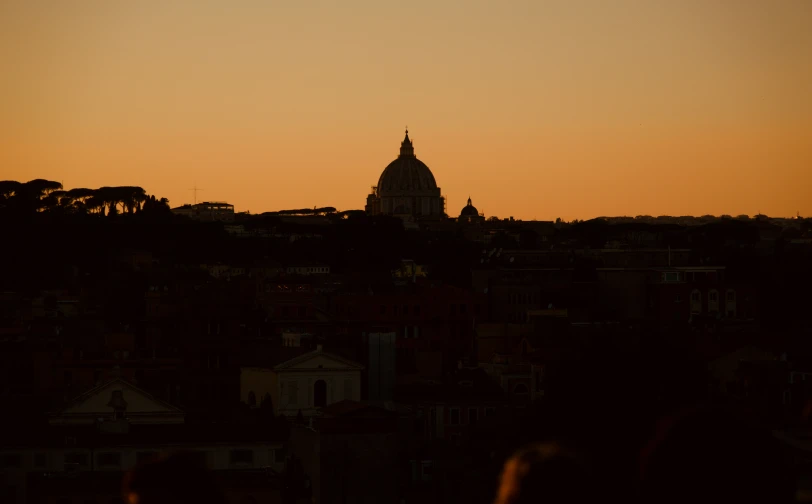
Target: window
x=405 y=310
x=383 y=310
x=278 y=455
x=347 y=389
x=40 y=460
x=252 y=398
x=145 y=456
x=395 y=310
x=243 y=457
x=415 y=331
x=678 y=298
x=455 y=416
x=731 y=295
x=713 y=296
x=696 y=301
x=452 y=309
x=201 y=456
x=76 y=458
x=520 y=388
x=293 y=393
x=463 y=309
x=473 y=415
x=416 y=310
x=109 y=459
x=671 y=276
x=11 y=460
x=490 y=412
x=320 y=394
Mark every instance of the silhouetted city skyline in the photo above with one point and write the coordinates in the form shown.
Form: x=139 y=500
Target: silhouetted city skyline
x=535 y=109
x=231 y=274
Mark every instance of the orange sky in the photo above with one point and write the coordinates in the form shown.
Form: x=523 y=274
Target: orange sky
x=537 y=109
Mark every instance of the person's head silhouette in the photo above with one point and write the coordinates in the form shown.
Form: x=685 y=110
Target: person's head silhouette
x=544 y=473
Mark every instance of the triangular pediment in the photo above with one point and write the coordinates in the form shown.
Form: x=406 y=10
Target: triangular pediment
x=319 y=360
x=137 y=404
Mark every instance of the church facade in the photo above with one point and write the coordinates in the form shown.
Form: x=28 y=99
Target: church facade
x=406 y=188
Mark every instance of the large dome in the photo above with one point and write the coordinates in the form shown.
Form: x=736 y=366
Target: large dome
x=406 y=188
x=406 y=174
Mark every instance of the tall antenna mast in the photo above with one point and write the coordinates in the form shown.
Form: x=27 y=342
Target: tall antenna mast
x=195 y=189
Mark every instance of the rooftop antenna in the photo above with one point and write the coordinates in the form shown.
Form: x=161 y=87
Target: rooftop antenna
x=195 y=189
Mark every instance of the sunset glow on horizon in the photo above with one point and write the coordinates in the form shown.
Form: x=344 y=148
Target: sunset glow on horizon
x=535 y=109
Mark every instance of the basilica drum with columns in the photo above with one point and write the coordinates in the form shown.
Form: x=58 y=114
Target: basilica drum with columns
x=406 y=188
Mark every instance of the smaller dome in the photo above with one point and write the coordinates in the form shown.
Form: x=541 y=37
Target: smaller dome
x=469 y=210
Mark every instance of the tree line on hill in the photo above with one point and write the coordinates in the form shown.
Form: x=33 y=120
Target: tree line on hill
x=42 y=195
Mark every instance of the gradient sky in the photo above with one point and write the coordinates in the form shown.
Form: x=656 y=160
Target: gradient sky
x=537 y=109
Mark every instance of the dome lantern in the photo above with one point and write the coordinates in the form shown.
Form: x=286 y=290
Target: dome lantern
x=406 y=146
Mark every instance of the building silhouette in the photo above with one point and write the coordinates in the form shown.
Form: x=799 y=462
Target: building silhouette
x=470 y=215
x=207 y=211
x=406 y=188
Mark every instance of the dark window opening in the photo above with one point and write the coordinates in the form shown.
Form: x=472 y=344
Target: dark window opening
x=241 y=457
x=320 y=394
x=109 y=459
x=145 y=456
